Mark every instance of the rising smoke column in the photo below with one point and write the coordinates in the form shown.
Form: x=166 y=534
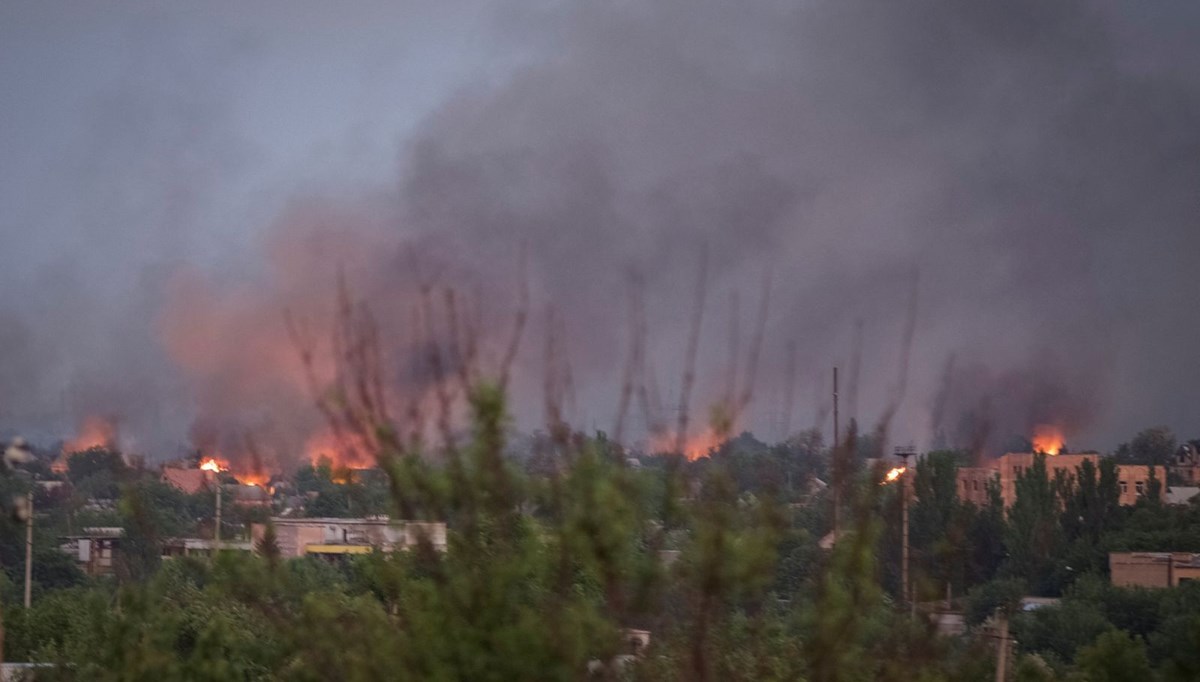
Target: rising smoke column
x=1034 y=162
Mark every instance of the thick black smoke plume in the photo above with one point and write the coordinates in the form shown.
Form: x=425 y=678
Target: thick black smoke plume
x=1035 y=163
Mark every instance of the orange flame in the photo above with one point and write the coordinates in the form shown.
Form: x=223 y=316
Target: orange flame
x=257 y=479
x=94 y=432
x=215 y=465
x=1048 y=439
x=342 y=453
x=893 y=475
x=694 y=447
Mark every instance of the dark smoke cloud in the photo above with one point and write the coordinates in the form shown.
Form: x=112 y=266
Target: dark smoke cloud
x=1032 y=161
x=1035 y=163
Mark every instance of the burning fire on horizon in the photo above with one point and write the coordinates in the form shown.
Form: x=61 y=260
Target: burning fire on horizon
x=694 y=447
x=341 y=453
x=1048 y=439
x=93 y=432
x=216 y=466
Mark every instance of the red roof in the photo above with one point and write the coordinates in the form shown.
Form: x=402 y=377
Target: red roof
x=188 y=480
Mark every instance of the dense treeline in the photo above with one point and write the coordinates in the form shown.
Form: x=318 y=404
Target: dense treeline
x=541 y=575
x=553 y=553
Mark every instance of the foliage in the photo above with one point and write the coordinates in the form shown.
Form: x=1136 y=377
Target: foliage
x=151 y=511
x=1058 y=632
x=1153 y=446
x=1166 y=621
x=1115 y=657
x=1033 y=668
x=340 y=492
x=1034 y=537
x=939 y=522
x=97 y=472
x=550 y=557
x=1002 y=595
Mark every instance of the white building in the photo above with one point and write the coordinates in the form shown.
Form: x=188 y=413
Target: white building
x=298 y=537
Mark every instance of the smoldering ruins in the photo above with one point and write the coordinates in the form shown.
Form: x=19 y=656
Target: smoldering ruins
x=1031 y=166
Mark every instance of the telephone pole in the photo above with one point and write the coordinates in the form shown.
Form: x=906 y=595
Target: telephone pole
x=29 y=548
x=835 y=409
x=1002 y=649
x=217 y=521
x=905 y=587
x=835 y=462
x=17 y=453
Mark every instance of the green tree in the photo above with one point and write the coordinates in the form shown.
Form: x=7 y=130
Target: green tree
x=151 y=511
x=939 y=526
x=1115 y=657
x=1178 y=641
x=1091 y=509
x=1154 y=446
x=96 y=461
x=1057 y=632
x=986 y=535
x=1034 y=539
x=1033 y=668
x=998 y=595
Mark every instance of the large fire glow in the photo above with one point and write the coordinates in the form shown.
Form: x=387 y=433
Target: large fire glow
x=893 y=475
x=1048 y=439
x=694 y=447
x=258 y=478
x=94 y=432
x=342 y=453
x=255 y=478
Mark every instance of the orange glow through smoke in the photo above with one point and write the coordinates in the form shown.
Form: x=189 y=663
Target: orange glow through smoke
x=694 y=447
x=1048 y=439
x=342 y=453
x=256 y=479
x=94 y=432
x=893 y=475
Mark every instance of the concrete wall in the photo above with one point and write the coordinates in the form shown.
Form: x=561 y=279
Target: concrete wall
x=1153 y=569
x=972 y=484
x=294 y=535
x=1140 y=569
x=1133 y=480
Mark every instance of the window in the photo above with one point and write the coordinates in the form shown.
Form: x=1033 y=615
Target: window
x=1124 y=487
x=975 y=484
x=1139 y=487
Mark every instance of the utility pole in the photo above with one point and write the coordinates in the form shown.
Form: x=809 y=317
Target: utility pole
x=905 y=586
x=836 y=462
x=836 y=437
x=217 y=521
x=17 y=453
x=1002 y=649
x=28 y=548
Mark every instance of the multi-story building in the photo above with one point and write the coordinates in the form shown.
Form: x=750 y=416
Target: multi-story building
x=1133 y=479
x=1185 y=465
x=973 y=484
x=1153 y=569
x=203 y=547
x=94 y=549
x=298 y=537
